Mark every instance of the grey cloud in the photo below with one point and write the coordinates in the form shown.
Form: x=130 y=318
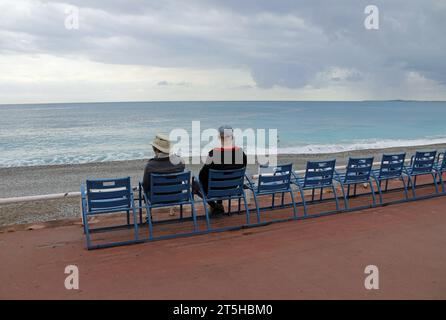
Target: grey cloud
x=282 y=43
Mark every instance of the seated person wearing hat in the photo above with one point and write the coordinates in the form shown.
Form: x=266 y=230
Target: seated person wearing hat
x=161 y=163
x=226 y=157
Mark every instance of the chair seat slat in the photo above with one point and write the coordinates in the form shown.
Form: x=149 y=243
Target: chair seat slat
x=108 y=183
x=109 y=203
x=103 y=195
x=157 y=198
x=109 y=210
x=226 y=174
x=274 y=187
x=171 y=188
x=225 y=183
x=224 y=192
x=359 y=178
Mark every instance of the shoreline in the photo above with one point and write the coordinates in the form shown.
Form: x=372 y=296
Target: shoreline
x=49 y=179
x=62 y=178
x=313 y=150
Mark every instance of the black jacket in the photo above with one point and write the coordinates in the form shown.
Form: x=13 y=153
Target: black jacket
x=222 y=159
x=161 y=165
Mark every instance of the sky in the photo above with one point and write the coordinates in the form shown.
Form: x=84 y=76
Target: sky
x=134 y=50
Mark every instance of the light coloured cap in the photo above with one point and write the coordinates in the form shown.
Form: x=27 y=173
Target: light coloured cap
x=225 y=131
x=161 y=142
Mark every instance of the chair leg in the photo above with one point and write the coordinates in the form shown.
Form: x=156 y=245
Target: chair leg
x=206 y=212
x=128 y=217
x=440 y=174
x=321 y=194
x=135 y=222
x=87 y=232
x=312 y=195
x=283 y=199
x=257 y=207
x=239 y=205
x=294 y=204
x=272 y=200
x=229 y=207
x=373 y=193
x=406 y=193
x=354 y=190
x=246 y=208
x=140 y=205
x=335 y=196
x=181 y=211
x=149 y=222
x=343 y=195
x=378 y=186
x=194 y=215
x=304 y=203
x=435 y=182
x=387 y=185
x=412 y=184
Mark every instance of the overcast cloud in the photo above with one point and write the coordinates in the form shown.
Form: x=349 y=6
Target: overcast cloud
x=221 y=50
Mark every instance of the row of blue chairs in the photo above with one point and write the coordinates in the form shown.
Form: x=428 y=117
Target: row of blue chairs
x=167 y=190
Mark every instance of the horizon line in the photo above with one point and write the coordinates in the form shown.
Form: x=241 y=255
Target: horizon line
x=167 y=101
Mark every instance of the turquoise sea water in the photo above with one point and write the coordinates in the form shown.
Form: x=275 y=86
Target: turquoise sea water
x=89 y=132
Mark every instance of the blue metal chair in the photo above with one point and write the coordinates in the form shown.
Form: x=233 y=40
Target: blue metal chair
x=107 y=196
x=422 y=163
x=358 y=170
x=167 y=190
x=440 y=168
x=392 y=166
x=278 y=182
x=318 y=175
x=224 y=185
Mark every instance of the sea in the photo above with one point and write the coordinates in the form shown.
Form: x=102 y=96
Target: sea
x=72 y=133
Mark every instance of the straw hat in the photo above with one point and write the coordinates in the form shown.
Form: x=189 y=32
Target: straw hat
x=161 y=142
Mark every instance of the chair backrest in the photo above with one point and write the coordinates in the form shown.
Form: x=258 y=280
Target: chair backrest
x=392 y=165
x=169 y=188
x=358 y=170
x=319 y=173
x=279 y=181
x=423 y=162
x=225 y=183
x=109 y=194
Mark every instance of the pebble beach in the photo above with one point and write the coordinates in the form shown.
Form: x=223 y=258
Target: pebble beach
x=41 y=180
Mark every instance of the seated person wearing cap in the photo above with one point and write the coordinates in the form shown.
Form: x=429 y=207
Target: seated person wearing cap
x=163 y=162
x=226 y=157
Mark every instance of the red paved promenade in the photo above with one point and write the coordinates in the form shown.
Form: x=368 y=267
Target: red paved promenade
x=316 y=258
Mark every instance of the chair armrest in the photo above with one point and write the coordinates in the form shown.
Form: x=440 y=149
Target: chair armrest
x=132 y=200
x=143 y=193
x=146 y=199
x=250 y=184
x=200 y=187
x=405 y=169
x=296 y=177
x=336 y=175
